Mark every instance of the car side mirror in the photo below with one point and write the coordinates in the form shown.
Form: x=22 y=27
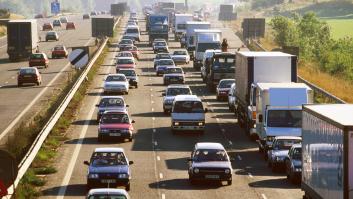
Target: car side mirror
x=206 y=110
x=86 y=162
x=163 y=94
x=260 y=118
x=133 y=121
x=131 y=162
x=127 y=105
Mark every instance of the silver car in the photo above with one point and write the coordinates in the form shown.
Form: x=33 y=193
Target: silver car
x=170 y=93
x=116 y=83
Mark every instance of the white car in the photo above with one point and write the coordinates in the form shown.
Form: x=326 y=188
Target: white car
x=231 y=97
x=116 y=83
x=223 y=89
x=170 y=93
x=161 y=56
x=181 y=56
x=107 y=193
x=173 y=75
x=133 y=31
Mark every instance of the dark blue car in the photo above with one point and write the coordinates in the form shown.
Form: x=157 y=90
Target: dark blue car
x=108 y=167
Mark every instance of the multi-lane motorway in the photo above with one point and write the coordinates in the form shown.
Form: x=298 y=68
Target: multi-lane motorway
x=160 y=167
x=19 y=103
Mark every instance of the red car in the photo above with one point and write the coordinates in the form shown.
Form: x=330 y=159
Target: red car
x=38 y=59
x=59 y=52
x=125 y=62
x=134 y=50
x=29 y=75
x=70 y=26
x=47 y=26
x=115 y=124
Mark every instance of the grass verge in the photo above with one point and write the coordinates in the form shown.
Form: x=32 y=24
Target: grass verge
x=2 y=31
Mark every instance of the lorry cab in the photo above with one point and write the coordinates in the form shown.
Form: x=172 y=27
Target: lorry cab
x=188 y=114
x=133 y=31
x=222 y=66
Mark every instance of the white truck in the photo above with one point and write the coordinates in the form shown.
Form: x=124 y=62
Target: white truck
x=279 y=110
x=191 y=26
x=255 y=67
x=327 y=151
x=205 y=39
x=180 y=24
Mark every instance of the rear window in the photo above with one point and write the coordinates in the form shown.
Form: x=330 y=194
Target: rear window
x=58 y=48
x=188 y=107
x=166 y=62
x=107 y=102
x=127 y=72
x=37 y=56
x=116 y=78
x=179 y=53
x=132 y=30
x=125 y=61
x=28 y=71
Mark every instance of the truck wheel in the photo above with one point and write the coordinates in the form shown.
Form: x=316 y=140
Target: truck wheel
x=229 y=182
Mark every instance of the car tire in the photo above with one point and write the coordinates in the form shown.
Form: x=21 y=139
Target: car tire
x=218 y=98
x=127 y=187
x=130 y=139
x=136 y=86
x=165 y=111
x=38 y=83
x=229 y=182
x=192 y=181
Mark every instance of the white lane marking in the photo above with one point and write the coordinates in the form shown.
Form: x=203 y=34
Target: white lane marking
x=151 y=95
x=207 y=103
x=24 y=111
x=158 y=158
x=223 y=130
x=6 y=82
x=249 y=174
x=263 y=196
x=153 y=118
x=230 y=142
x=154 y=130
x=151 y=89
x=13 y=77
x=152 y=109
x=239 y=157
x=217 y=119
x=152 y=102
x=161 y=175
x=155 y=143
x=163 y=196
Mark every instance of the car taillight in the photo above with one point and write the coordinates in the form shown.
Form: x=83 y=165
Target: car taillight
x=254 y=115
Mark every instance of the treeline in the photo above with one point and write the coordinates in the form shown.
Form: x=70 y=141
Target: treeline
x=315 y=43
x=30 y=7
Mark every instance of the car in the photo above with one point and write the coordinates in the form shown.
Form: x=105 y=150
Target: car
x=170 y=93
x=107 y=193
x=129 y=37
x=131 y=76
x=188 y=114
x=125 y=42
x=223 y=88
x=133 y=31
x=59 y=51
x=232 y=97
x=132 y=23
x=108 y=167
x=116 y=83
x=163 y=64
x=183 y=40
x=181 y=56
x=38 y=59
x=115 y=124
x=209 y=161
x=57 y=23
x=124 y=54
x=108 y=103
x=161 y=56
x=29 y=75
x=125 y=62
x=63 y=19
x=278 y=151
x=52 y=35
x=159 y=47
x=39 y=16
x=70 y=26
x=173 y=75
x=93 y=13
x=47 y=26
x=293 y=163
x=86 y=16
x=206 y=62
x=134 y=50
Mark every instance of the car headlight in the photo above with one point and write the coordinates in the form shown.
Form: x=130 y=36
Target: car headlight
x=93 y=176
x=125 y=131
x=196 y=170
x=227 y=171
x=297 y=169
x=123 y=175
x=176 y=123
x=278 y=159
x=201 y=123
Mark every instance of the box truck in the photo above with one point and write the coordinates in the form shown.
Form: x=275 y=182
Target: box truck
x=22 y=38
x=220 y=66
x=102 y=26
x=279 y=110
x=180 y=24
x=255 y=67
x=327 y=151
x=191 y=26
x=158 y=27
x=205 y=39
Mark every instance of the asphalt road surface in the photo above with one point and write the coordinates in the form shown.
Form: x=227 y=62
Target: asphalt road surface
x=160 y=167
x=18 y=102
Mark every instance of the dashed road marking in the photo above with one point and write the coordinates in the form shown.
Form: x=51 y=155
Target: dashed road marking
x=152 y=102
x=6 y=82
x=13 y=77
x=249 y=174
x=153 y=118
x=263 y=196
x=217 y=119
x=239 y=157
x=163 y=196
x=154 y=130
x=151 y=95
x=155 y=143
x=161 y=175
x=223 y=130
x=158 y=158
x=151 y=89
x=152 y=109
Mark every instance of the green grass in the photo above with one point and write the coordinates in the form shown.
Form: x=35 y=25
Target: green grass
x=341 y=27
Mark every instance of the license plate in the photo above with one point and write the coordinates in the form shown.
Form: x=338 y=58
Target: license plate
x=115 y=134
x=108 y=181
x=27 y=76
x=212 y=176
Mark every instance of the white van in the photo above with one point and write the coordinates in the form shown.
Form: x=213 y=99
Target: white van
x=188 y=114
x=133 y=31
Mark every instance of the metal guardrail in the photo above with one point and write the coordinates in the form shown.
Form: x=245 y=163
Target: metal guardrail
x=41 y=137
x=315 y=88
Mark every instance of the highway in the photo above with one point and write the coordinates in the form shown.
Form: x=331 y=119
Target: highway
x=160 y=167
x=19 y=103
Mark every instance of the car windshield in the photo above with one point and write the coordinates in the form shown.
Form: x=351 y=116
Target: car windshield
x=181 y=26
x=226 y=83
x=56 y=21
x=163 y=56
x=285 y=144
x=178 y=91
x=207 y=155
x=115 y=119
x=126 y=41
x=108 y=102
x=116 y=78
x=179 y=53
x=103 y=159
x=224 y=64
x=58 y=48
x=284 y=118
x=297 y=153
x=202 y=47
x=27 y=71
x=174 y=71
x=125 y=54
x=106 y=196
x=161 y=44
x=51 y=33
x=36 y=56
x=132 y=30
x=125 y=61
x=165 y=62
x=127 y=72
x=188 y=107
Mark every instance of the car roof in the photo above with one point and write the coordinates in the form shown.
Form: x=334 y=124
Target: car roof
x=165 y=59
x=187 y=97
x=174 y=67
x=222 y=80
x=117 y=74
x=120 y=111
x=178 y=86
x=125 y=58
x=209 y=145
x=109 y=149
x=120 y=69
x=288 y=138
x=132 y=26
x=26 y=67
x=114 y=96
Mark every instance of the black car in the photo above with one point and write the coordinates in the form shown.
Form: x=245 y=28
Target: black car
x=86 y=16
x=294 y=163
x=108 y=167
x=209 y=162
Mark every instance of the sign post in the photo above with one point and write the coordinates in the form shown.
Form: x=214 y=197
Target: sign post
x=78 y=58
x=55 y=7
